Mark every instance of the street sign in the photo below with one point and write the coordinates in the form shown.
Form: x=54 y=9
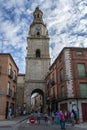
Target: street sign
x=32 y=120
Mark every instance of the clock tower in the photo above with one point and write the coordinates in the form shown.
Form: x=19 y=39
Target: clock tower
x=37 y=58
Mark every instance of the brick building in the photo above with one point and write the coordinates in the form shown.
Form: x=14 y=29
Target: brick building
x=8 y=83
x=67 y=82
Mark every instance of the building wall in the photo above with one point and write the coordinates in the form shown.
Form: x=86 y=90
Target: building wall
x=5 y=60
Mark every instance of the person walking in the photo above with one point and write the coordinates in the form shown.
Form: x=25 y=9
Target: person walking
x=46 y=118
x=38 y=117
x=9 y=112
x=62 y=120
x=72 y=118
x=53 y=118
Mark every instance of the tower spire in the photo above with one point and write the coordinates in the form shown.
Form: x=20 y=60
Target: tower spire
x=38 y=15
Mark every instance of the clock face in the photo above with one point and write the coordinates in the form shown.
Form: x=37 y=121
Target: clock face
x=38 y=27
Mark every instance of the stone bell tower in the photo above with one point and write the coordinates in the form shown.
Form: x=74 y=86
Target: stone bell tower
x=37 y=58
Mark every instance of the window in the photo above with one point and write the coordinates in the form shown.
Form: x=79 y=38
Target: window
x=62 y=92
x=10 y=69
x=8 y=88
x=53 y=79
x=79 y=53
x=81 y=70
x=38 y=53
x=59 y=59
x=0 y=69
x=38 y=33
x=53 y=91
x=10 y=66
x=14 y=75
x=83 y=90
x=13 y=90
x=38 y=15
x=61 y=75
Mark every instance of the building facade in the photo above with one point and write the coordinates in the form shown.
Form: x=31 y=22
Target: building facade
x=69 y=72
x=8 y=84
x=37 y=59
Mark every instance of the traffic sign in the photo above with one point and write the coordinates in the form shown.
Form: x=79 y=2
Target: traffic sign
x=32 y=120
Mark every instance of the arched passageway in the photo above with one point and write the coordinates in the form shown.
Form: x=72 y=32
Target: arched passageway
x=37 y=100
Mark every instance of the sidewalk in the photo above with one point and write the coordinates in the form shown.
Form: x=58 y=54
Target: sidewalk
x=13 y=121
x=80 y=125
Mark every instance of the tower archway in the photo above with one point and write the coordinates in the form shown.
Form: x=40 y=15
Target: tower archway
x=37 y=100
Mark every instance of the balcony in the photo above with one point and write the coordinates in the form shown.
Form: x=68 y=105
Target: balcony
x=82 y=95
x=82 y=76
x=10 y=73
x=9 y=92
x=14 y=78
x=13 y=95
x=53 y=97
x=52 y=81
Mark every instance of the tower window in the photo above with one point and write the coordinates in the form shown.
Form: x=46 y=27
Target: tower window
x=38 y=53
x=38 y=15
x=38 y=33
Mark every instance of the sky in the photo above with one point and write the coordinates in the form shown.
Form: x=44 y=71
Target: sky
x=66 y=21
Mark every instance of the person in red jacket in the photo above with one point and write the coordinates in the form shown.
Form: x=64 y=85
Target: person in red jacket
x=62 y=120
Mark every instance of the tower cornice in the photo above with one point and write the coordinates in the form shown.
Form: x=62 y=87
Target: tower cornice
x=40 y=37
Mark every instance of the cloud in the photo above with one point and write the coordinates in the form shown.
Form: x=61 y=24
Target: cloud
x=66 y=22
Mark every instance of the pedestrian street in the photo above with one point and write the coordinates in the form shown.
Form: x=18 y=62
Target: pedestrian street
x=44 y=126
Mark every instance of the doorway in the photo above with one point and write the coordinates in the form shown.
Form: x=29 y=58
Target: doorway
x=6 y=110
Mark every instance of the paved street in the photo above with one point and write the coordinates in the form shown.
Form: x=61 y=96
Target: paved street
x=43 y=126
x=22 y=123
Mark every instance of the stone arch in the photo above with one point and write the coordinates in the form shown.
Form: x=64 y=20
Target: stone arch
x=40 y=91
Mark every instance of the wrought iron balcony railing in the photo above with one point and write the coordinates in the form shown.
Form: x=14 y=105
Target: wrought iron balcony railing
x=9 y=92
x=10 y=73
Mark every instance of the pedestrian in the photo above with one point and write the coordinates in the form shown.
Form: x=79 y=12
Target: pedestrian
x=38 y=116
x=53 y=118
x=72 y=118
x=66 y=115
x=62 y=120
x=9 y=112
x=46 y=118
x=69 y=116
x=76 y=113
x=75 y=116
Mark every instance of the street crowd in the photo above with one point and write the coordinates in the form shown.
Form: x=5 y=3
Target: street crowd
x=60 y=118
